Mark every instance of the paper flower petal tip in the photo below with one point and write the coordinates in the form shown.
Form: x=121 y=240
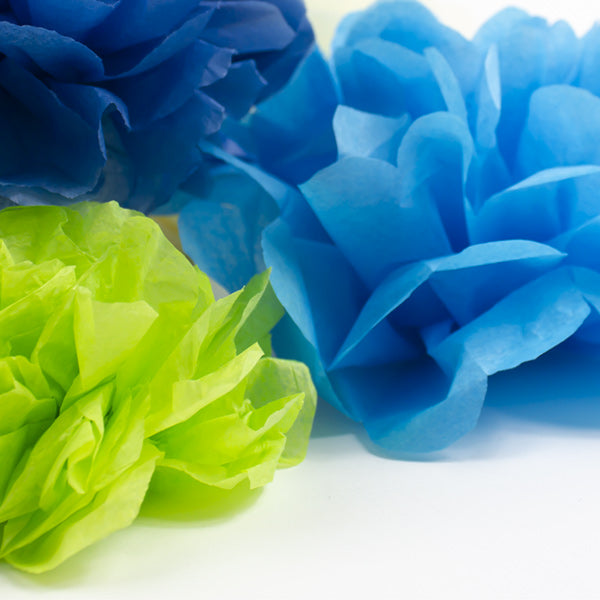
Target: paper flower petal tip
x=117 y=363
x=442 y=213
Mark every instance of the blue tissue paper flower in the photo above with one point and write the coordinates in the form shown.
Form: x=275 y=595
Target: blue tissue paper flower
x=446 y=228
x=112 y=96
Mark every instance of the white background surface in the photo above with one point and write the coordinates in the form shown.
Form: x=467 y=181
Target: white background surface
x=464 y=15
x=511 y=511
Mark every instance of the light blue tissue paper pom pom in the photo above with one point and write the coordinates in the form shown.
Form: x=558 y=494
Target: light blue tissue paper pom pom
x=456 y=231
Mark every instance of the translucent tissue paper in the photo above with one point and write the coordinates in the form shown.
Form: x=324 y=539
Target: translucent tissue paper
x=113 y=97
x=453 y=234
x=117 y=364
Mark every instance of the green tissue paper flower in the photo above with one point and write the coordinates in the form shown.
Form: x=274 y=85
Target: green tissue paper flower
x=118 y=365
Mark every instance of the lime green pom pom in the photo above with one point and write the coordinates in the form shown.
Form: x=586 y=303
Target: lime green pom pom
x=117 y=365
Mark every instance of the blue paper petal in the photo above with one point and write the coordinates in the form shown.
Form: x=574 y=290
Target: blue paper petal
x=239 y=89
x=381 y=77
x=410 y=25
x=287 y=278
x=447 y=82
x=436 y=154
x=153 y=95
x=295 y=148
x=60 y=56
x=531 y=54
x=521 y=327
x=278 y=66
x=581 y=245
x=416 y=407
x=290 y=342
x=249 y=26
x=72 y=18
x=562 y=129
x=489 y=101
x=230 y=259
x=137 y=21
x=33 y=152
x=367 y=135
x=472 y=282
x=326 y=273
x=374 y=241
x=389 y=295
x=136 y=60
x=590 y=61
x=534 y=208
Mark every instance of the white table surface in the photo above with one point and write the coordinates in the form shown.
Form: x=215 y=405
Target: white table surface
x=511 y=511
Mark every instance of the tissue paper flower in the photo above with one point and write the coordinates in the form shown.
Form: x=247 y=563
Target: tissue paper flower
x=116 y=95
x=456 y=235
x=117 y=364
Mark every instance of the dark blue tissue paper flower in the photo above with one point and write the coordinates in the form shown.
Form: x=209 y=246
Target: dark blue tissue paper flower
x=446 y=227
x=112 y=96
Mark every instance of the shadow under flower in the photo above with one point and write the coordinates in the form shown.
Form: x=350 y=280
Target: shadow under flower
x=195 y=505
x=559 y=390
x=330 y=422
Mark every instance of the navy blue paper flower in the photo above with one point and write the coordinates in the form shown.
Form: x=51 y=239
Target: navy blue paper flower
x=115 y=94
x=455 y=232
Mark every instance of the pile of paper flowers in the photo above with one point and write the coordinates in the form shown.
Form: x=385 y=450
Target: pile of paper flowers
x=428 y=207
